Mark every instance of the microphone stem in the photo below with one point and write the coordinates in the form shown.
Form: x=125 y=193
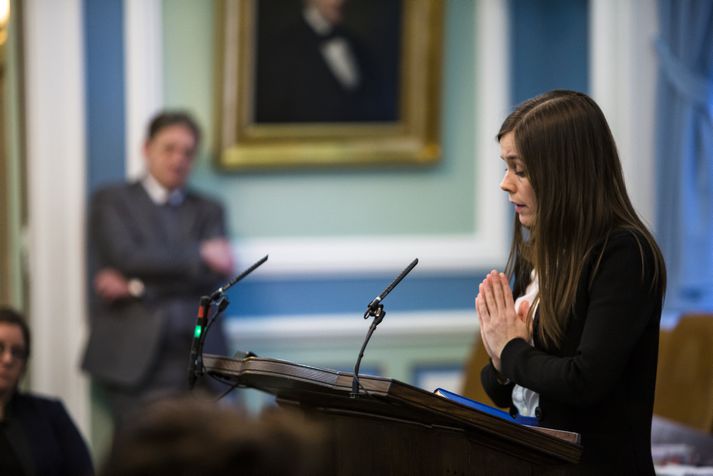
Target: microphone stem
x=355 y=381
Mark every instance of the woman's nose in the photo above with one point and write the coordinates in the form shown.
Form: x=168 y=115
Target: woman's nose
x=506 y=184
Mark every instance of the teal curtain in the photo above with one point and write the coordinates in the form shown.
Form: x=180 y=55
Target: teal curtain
x=684 y=131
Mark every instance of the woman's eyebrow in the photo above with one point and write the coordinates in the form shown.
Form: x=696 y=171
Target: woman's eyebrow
x=510 y=158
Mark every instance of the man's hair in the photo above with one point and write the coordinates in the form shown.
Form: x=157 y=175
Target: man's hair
x=195 y=436
x=12 y=317
x=172 y=118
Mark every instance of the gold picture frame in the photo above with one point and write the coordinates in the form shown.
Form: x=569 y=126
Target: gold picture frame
x=411 y=135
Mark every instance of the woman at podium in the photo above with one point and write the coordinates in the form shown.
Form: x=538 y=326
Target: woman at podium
x=573 y=343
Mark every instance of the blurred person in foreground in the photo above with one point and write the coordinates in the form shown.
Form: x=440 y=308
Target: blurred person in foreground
x=155 y=248
x=574 y=344
x=37 y=435
x=194 y=437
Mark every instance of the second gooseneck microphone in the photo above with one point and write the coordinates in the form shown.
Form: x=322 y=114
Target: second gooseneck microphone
x=376 y=309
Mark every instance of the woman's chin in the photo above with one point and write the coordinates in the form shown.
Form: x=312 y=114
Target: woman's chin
x=526 y=221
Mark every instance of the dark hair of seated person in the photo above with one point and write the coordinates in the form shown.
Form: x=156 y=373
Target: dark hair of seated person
x=190 y=436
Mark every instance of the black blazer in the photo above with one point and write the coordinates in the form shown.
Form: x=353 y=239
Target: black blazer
x=44 y=438
x=128 y=232
x=601 y=382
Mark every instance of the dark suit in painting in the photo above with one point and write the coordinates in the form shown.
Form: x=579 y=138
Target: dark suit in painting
x=138 y=348
x=296 y=84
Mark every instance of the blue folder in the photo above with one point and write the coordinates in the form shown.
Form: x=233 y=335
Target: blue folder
x=484 y=408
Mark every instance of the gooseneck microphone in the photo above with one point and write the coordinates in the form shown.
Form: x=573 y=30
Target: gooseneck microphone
x=230 y=283
x=374 y=304
x=203 y=322
x=376 y=310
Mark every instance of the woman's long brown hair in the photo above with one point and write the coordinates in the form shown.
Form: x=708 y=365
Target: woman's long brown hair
x=573 y=166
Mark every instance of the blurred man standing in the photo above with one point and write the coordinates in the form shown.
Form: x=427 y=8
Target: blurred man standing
x=155 y=248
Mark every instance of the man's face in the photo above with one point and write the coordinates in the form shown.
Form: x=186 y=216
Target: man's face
x=331 y=10
x=169 y=155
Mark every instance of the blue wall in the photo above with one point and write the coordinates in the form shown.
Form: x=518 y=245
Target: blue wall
x=104 y=57
x=549 y=46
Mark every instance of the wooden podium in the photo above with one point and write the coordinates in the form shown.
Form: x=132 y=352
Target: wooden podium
x=398 y=429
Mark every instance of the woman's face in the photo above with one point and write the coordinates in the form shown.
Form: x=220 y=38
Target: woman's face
x=516 y=183
x=13 y=354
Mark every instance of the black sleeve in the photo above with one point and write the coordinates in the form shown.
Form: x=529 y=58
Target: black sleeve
x=622 y=302
x=76 y=459
x=500 y=394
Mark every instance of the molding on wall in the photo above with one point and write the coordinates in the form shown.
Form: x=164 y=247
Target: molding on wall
x=623 y=82
x=143 y=60
x=404 y=325
x=55 y=115
x=375 y=254
x=484 y=248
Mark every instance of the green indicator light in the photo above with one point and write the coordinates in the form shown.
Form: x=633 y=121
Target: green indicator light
x=197 y=332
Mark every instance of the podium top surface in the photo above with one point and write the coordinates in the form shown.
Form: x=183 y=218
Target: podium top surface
x=330 y=391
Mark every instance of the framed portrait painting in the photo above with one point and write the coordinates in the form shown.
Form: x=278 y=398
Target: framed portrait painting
x=327 y=82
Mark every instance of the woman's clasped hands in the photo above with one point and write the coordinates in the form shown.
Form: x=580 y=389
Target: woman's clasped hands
x=499 y=321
